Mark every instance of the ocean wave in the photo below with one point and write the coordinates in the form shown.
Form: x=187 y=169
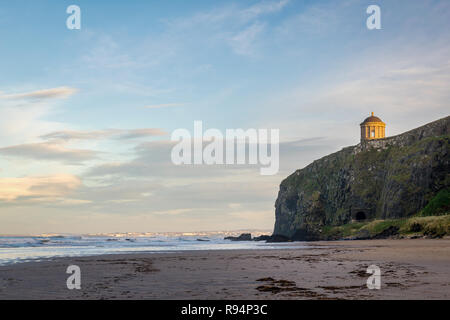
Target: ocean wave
x=23 y=248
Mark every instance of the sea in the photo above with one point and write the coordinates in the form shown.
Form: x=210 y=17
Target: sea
x=17 y=249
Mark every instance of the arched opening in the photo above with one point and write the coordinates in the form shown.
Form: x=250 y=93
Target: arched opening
x=360 y=216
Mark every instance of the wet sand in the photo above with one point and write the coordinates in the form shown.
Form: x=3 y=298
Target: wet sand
x=410 y=269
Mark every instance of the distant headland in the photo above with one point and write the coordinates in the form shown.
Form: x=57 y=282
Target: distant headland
x=355 y=192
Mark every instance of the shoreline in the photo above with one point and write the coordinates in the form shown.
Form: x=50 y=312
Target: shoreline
x=230 y=246
x=410 y=269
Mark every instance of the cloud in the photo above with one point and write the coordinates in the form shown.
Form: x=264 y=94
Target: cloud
x=140 y=133
x=56 y=147
x=315 y=20
x=79 y=135
x=218 y=16
x=120 y=134
x=54 y=93
x=157 y=106
x=152 y=183
x=28 y=114
x=262 y=8
x=243 y=42
x=153 y=161
x=45 y=188
x=399 y=86
x=174 y=211
x=49 y=151
x=234 y=26
x=405 y=83
x=106 y=54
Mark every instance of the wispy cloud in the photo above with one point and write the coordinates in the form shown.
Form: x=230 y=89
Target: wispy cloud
x=107 y=54
x=37 y=188
x=55 y=148
x=120 y=134
x=53 y=151
x=166 y=105
x=173 y=211
x=243 y=42
x=264 y=7
x=141 y=133
x=236 y=26
x=54 y=93
x=80 y=135
x=231 y=12
x=396 y=85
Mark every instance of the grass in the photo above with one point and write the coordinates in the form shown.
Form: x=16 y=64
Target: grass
x=378 y=226
x=430 y=226
x=439 y=205
x=435 y=226
x=346 y=230
x=432 y=221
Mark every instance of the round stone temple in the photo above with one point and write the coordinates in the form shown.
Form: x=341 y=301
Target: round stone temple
x=373 y=128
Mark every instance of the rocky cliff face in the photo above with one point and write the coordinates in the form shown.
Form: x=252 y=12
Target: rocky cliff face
x=387 y=178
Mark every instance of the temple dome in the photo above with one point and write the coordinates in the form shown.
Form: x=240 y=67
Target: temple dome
x=372 y=118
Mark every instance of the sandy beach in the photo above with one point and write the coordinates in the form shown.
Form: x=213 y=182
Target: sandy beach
x=410 y=269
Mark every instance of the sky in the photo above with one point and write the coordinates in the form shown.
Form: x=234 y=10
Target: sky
x=86 y=115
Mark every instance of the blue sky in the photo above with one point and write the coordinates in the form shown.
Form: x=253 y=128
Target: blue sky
x=86 y=115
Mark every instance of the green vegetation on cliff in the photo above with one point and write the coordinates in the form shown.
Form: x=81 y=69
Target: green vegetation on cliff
x=385 y=179
x=439 y=205
x=432 y=226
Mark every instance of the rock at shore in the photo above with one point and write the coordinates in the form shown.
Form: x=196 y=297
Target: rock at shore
x=242 y=237
x=264 y=237
x=267 y=238
x=278 y=238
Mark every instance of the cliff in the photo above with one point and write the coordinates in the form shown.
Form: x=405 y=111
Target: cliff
x=381 y=179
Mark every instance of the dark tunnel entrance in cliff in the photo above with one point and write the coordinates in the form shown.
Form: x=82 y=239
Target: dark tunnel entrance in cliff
x=360 y=216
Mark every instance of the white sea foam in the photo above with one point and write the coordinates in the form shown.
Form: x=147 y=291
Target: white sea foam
x=14 y=249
